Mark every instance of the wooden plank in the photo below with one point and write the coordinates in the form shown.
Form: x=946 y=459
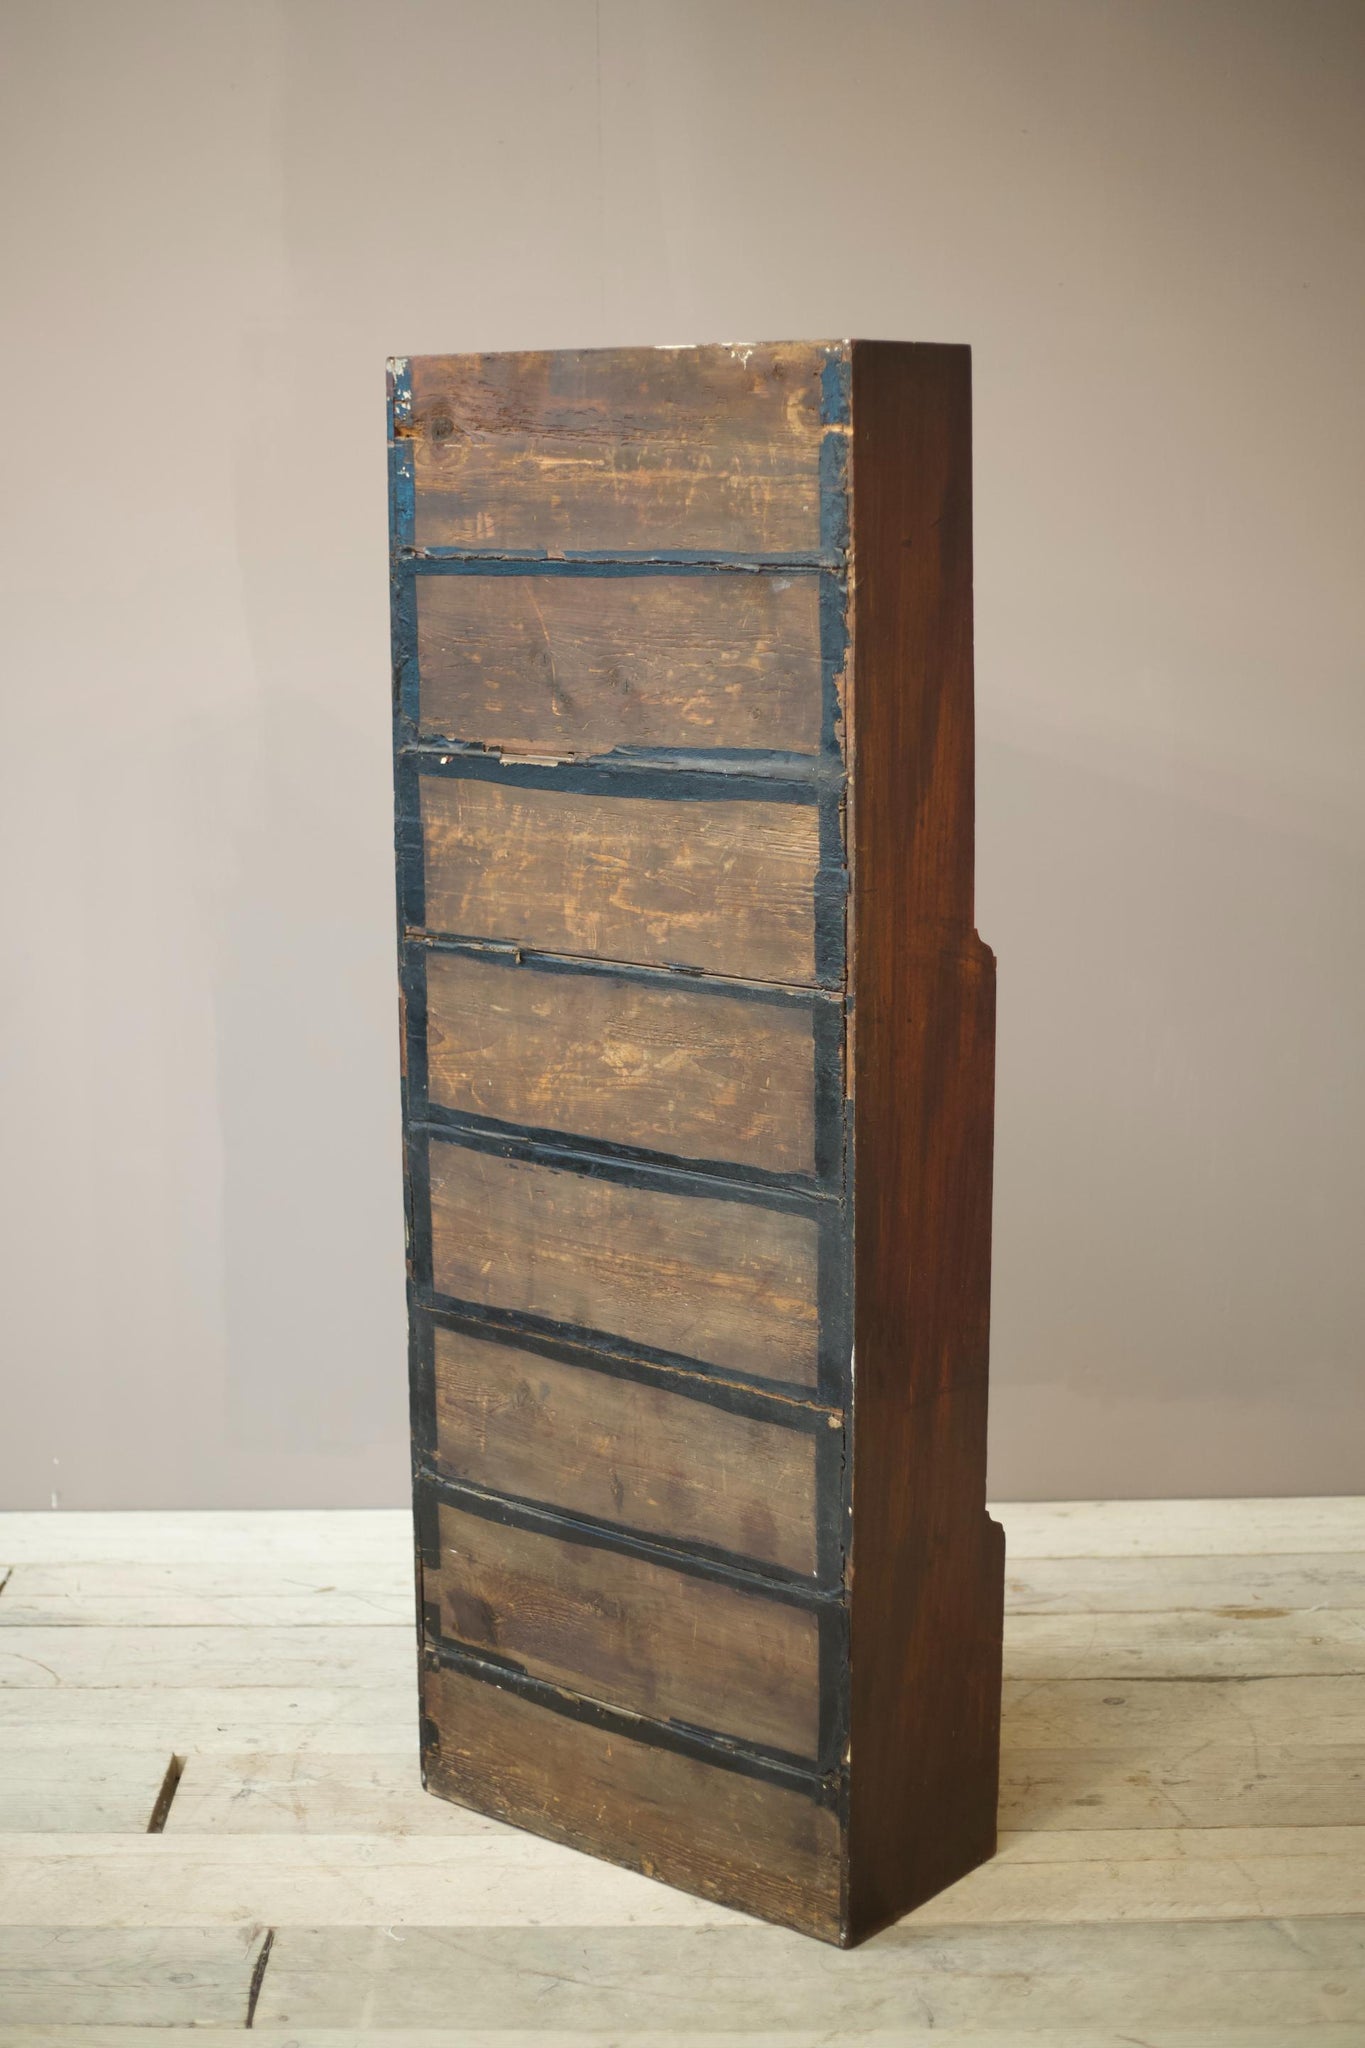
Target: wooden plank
x=64 y=1976
x=629 y=1632
x=202 y=1596
x=257 y=1592
x=1080 y=1715
x=1232 y=1588
x=689 y=1071
x=1107 y=1713
x=760 y=1981
x=49 y=1792
x=579 y=665
x=1182 y=1528
x=728 y=1283
x=1315 y=2035
x=217 y=1536
x=168 y=1658
x=253 y=1577
x=1217 y=1785
x=1256 y=1642
x=720 y=1834
x=315 y=1795
x=514 y=1879
x=228 y=1719
x=507 y=1879
x=726 y=886
x=615 y=1450
x=1253 y=1784
x=623 y=448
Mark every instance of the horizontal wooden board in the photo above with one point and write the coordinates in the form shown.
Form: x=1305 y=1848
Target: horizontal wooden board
x=112 y=1791
x=1218 y=1785
x=1108 y=1713
x=682 y=1070
x=201 y=1596
x=579 y=665
x=728 y=886
x=1317 y=2034
x=912 y=1984
x=106 y=1659
x=123 y=1977
x=1224 y=1785
x=1182 y=1528
x=1251 y=1643
x=511 y=1881
x=621 y=1451
x=719 y=1833
x=499 y=1878
x=1228 y=1588
x=632 y=449
x=313 y=1795
x=244 y=1714
x=218 y=1536
x=728 y=1283
x=629 y=1632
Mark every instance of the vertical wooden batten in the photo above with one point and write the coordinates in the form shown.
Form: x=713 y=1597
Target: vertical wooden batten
x=698 y=1063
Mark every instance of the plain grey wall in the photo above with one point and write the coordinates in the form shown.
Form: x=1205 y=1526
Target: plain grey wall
x=1145 y=215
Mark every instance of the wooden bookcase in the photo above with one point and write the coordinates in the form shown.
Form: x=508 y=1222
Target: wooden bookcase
x=698 y=1051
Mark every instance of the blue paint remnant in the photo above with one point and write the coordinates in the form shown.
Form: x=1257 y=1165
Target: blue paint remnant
x=836 y=385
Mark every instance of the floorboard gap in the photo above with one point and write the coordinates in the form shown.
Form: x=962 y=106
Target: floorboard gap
x=258 y=1976
x=169 y=1786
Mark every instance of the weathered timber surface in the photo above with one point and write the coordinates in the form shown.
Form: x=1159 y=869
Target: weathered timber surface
x=583 y=665
x=616 y=1450
x=633 y=449
x=682 y=1070
x=727 y=1283
x=630 y=1632
x=667 y=560
x=728 y=886
x=728 y=1836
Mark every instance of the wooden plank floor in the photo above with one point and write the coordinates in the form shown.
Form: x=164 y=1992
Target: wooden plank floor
x=212 y=1820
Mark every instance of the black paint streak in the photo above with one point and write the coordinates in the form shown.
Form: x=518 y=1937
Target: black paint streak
x=705 y=1745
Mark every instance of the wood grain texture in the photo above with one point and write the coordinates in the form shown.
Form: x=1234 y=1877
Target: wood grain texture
x=111 y=1791
x=632 y=449
x=724 y=1835
x=727 y=1283
x=581 y=665
x=927 y=1564
x=123 y=1977
x=726 y=886
x=629 y=1632
x=1021 y=1986
x=618 y=1450
x=686 y=1071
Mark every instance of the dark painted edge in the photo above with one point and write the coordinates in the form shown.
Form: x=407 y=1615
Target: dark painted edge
x=609 y=561
x=710 y=1561
x=758 y=1400
x=703 y=1745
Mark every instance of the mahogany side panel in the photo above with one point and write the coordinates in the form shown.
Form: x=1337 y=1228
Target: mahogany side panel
x=927 y=1581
